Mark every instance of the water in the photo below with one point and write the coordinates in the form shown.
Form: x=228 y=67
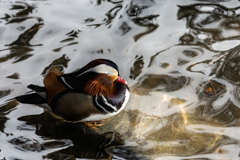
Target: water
x=184 y=100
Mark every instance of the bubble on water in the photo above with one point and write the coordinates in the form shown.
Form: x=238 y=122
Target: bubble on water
x=202 y=36
x=231 y=13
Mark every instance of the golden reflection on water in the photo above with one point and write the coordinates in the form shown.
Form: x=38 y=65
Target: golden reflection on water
x=162 y=136
x=183 y=115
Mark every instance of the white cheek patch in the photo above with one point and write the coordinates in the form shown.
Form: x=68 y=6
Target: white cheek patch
x=102 y=69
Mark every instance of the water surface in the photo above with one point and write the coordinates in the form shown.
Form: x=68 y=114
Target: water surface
x=180 y=59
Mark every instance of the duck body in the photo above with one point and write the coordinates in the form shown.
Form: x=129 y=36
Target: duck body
x=92 y=93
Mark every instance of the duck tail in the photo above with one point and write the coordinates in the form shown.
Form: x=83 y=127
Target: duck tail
x=34 y=98
x=37 y=88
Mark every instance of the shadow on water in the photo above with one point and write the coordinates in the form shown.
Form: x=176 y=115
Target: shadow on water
x=78 y=140
x=166 y=135
x=83 y=142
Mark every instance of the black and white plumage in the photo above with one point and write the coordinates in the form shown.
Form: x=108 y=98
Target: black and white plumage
x=92 y=93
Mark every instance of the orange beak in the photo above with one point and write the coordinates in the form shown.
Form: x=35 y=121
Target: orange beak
x=120 y=80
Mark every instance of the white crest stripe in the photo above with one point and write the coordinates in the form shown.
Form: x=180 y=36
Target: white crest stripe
x=102 y=68
x=83 y=72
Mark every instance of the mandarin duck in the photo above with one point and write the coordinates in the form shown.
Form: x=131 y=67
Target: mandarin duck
x=92 y=93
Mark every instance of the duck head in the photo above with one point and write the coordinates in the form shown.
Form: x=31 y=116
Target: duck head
x=98 y=77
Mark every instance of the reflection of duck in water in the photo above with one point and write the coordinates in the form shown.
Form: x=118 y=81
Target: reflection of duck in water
x=92 y=93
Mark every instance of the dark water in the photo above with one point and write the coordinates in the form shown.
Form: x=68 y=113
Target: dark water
x=180 y=59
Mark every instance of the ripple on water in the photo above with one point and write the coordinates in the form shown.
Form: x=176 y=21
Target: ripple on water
x=153 y=82
x=182 y=106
